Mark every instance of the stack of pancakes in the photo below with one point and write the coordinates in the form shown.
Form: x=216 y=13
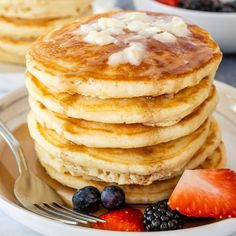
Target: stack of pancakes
x=137 y=126
x=22 y=21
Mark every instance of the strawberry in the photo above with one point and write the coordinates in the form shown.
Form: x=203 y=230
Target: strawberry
x=128 y=219
x=205 y=193
x=169 y=2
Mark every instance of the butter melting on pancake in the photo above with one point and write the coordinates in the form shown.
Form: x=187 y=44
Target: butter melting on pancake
x=137 y=27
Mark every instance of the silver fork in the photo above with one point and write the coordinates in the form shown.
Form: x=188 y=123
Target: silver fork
x=37 y=196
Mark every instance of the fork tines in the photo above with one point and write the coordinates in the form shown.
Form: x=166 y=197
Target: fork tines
x=56 y=211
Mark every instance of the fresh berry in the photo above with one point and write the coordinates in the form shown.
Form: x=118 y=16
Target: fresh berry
x=228 y=7
x=208 y=5
x=203 y=5
x=87 y=199
x=206 y=193
x=169 y=2
x=112 y=197
x=159 y=217
x=128 y=219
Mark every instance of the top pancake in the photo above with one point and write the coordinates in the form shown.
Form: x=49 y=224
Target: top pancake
x=64 y=62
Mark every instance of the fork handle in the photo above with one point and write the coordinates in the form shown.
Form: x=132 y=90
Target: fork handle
x=14 y=146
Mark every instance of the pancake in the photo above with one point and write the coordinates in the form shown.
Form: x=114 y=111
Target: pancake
x=160 y=161
x=7 y=57
x=212 y=142
x=38 y=9
x=160 y=111
x=216 y=161
x=100 y=135
x=13 y=50
x=33 y=28
x=135 y=194
x=64 y=62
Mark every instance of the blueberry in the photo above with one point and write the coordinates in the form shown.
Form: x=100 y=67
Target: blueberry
x=112 y=197
x=86 y=199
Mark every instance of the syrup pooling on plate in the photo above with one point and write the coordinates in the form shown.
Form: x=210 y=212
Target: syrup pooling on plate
x=60 y=48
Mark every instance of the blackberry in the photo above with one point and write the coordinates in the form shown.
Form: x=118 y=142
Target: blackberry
x=159 y=217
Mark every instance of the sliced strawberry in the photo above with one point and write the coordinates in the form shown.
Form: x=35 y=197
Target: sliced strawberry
x=169 y=2
x=128 y=219
x=206 y=193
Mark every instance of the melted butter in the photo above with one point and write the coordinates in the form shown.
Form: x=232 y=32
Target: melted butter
x=132 y=54
x=105 y=31
x=68 y=51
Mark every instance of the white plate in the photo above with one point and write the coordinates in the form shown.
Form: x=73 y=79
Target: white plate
x=13 y=110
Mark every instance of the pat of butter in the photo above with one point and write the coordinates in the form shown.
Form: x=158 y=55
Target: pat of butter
x=117 y=58
x=150 y=31
x=111 y=25
x=133 y=54
x=85 y=29
x=136 y=26
x=105 y=23
x=165 y=37
x=176 y=26
x=100 y=38
x=179 y=27
x=140 y=16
